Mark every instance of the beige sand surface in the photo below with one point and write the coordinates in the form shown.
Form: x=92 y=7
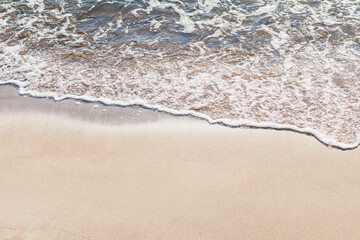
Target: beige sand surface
x=69 y=179
x=69 y=171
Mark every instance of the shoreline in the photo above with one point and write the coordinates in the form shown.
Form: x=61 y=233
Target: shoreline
x=11 y=100
x=153 y=114
x=70 y=171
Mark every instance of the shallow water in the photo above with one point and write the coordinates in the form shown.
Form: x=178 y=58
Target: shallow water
x=284 y=64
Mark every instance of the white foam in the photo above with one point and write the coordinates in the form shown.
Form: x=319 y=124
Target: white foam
x=264 y=69
x=240 y=122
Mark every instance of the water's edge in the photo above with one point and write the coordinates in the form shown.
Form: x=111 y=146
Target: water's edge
x=223 y=122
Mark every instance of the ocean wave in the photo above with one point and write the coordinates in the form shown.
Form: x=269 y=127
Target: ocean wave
x=280 y=64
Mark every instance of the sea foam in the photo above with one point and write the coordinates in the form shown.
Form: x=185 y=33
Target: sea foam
x=278 y=64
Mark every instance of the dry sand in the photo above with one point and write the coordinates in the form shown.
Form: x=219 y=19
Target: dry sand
x=65 y=174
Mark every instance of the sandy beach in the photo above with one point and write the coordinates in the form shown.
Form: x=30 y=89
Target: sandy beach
x=69 y=170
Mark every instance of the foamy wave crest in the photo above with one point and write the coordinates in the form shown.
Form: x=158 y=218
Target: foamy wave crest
x=281 y=64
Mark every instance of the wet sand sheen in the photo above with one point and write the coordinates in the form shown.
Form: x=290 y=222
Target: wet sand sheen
x=172 y=179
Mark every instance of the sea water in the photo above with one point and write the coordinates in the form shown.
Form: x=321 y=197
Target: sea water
x=288 y=64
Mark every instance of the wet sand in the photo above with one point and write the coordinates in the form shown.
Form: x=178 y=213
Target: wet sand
x=72 y=171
